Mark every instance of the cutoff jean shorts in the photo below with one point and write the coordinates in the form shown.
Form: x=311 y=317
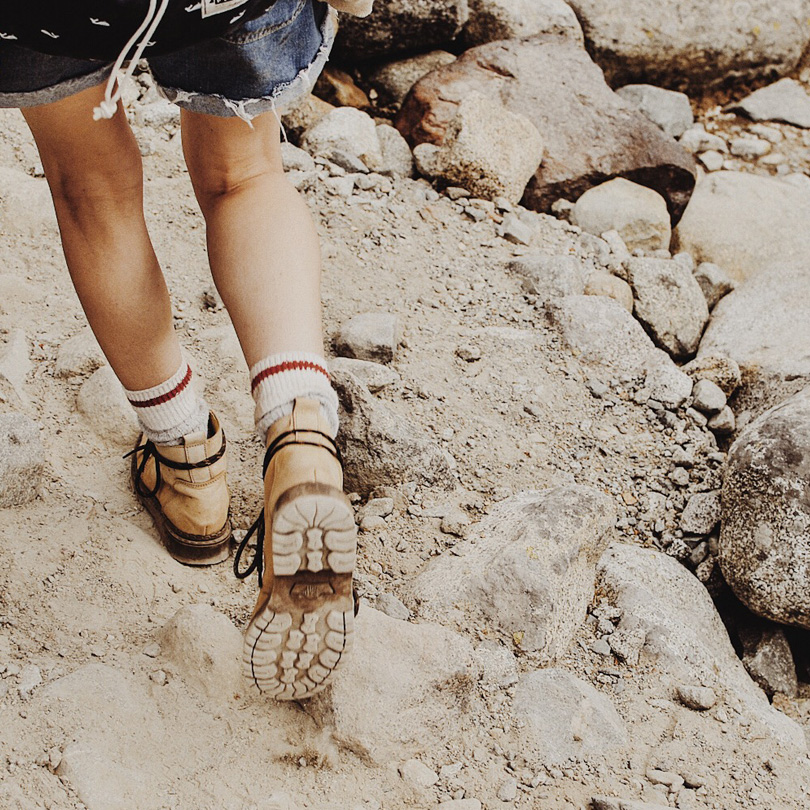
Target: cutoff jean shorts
x=267 y=64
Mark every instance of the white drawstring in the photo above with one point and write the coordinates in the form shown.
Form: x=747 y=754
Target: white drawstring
x=152 y=20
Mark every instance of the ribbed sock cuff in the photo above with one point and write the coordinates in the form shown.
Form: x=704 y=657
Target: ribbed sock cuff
x=171 y=410
x=278 y=380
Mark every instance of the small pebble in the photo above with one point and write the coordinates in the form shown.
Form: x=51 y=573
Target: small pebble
x=159 y=677
x=507 y=792
x=699 y=698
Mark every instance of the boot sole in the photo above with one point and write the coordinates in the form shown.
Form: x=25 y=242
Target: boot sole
x=203 y=550
x=298 y=637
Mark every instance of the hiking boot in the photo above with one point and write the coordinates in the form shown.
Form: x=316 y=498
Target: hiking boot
x=185 y=490
x=303 y=621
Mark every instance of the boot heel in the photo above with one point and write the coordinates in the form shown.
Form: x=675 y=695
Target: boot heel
x=313 y=529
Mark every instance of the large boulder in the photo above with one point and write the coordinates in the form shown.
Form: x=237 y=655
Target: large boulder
x=554 y=83
x=602 y=333
x=764 y=326
x=690 y=43
x=491 y=20
x=488 y=150
x=402 y=687
x=765 y=533
x=22 y=459
x=381 y=449
x=681 y=633
x=670 y=303
x=400 y=27
x=745 y=222
x=637 y=213
x=528 y=573
x=565 y=718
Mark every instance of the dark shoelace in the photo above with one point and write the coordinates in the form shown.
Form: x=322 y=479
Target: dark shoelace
x=151 y=451
x=258 y=527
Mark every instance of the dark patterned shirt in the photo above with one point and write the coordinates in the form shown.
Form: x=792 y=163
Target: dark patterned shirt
x=99 y=29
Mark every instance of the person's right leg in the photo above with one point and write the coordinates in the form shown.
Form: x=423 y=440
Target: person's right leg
x=265 y=259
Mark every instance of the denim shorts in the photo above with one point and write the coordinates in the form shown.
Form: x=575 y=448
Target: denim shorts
x=266 y=64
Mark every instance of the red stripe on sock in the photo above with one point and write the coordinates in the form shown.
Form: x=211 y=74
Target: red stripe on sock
x=169 y=395
x=288 y=365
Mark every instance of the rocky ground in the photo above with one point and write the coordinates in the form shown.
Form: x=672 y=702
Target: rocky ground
x=547 y=490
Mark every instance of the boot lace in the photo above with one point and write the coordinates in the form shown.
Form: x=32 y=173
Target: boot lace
x=258 y=528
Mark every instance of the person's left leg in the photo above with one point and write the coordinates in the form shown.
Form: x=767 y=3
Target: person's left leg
x=265 y=260
x=95 y=175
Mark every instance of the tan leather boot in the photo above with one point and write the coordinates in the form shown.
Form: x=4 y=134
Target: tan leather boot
x=304 y=617
x=185 y=490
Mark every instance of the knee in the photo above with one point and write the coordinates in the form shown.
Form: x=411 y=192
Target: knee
x=218 y=177
x=101 y=182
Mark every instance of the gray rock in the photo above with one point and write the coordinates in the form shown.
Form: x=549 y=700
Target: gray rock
x=508 y=790
x=666 y=382
x=375 y=376
x=397 y=159
x=702 y=513
x=348 y=130
x=688 y=43
x=418 y=774
x=477 y=150
x=15 y=363
x=686 y=640
x=712 y=161
x=627 y=643
x=22 y=459
x=159 y=114
x=670 y=303
x=749 y=148
x=785 y=100
x=26 y=208
x=718 y=368
x=764 y=554
x=401 y=685
x=610 y=286
x=205 y=648
x=564 y=718
x=371 y=336
x=102 y=401
x=391 y=606
x=380 y=448
x=699 y=698
x=602 y=333
x=696 y=140
x=723 y=423
x=397 y=27
x=393 y=80
x=80 y=355
x=730 y=211
x=528 y=571
x=101 y=782
x=492 y=20
x=425 y=159
x=30 y=678
x=610 y=803
x=708 y=397
x=295 y=159
x=768 y=658
x=764 y=326
x=670 y=110
x=515 y=230
x=714 y=281
x=549 y=276
x=552 y=79
x=637 y=213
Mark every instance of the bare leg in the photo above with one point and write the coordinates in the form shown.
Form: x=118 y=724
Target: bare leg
x=95 y=175
x=262 y=243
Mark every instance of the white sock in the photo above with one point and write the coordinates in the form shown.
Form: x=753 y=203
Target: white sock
x=278 y=380
x=171 y=410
